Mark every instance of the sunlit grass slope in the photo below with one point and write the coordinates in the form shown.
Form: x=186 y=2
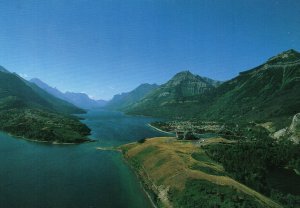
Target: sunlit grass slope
x=180 y=174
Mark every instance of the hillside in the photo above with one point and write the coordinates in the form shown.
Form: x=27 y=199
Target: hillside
x=80 y=100
x=28 y=111
x=124 y=100
x=269 y=91
x=180 y=174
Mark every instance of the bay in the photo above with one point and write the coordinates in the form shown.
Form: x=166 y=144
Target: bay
x=40 y=175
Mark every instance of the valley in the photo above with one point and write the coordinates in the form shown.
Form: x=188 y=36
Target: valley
x=211 y=128
x=150 y=104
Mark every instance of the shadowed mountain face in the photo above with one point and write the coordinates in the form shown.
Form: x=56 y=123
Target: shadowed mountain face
x=81 y=100
x=270 y=90
x=28 y=111
x=124 y=100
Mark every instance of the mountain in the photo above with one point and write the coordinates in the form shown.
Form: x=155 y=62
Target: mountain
x=183 y=88
x=55 y=102
x=51 y=90
x=269 y=91
x=213 y=82
x=183 y=85
x=124 y=100
x=2 y=69
x=102 y=103
x=81 y=100
x=28 y=111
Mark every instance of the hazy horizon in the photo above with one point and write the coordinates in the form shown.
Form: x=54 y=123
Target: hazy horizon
x=109 y=47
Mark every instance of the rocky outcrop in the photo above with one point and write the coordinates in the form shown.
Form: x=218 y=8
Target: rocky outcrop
x=294 y=129
x=292 y=132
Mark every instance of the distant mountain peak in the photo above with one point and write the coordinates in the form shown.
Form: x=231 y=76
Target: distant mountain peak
x=290 y=51
x=183 y=74
x=186 y=77
x=81 y=100
x=288 y=56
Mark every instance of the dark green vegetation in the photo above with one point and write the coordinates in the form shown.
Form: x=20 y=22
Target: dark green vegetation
x=141 y=140
x=267 y=92
x=43 y=126
x=202 y=193
x=28 y=111
x=125 y=100
x=261 y=164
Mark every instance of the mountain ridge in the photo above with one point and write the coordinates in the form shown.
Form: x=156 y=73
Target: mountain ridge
x=81 y=100
x=268 y=91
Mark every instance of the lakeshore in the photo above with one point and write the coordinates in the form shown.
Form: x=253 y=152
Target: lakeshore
x=157 y=129
x=49 y=142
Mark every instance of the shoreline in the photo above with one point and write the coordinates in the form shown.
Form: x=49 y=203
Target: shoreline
x=157 y=129
x=139 y=178
x=115 y=149
x=47 y=142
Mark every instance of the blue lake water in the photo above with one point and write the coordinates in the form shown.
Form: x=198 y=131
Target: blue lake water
x=39 y=175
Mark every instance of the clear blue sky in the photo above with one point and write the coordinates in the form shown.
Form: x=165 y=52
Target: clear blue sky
x=107 y=47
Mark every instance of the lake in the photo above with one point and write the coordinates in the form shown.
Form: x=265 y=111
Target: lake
x=40 y=175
